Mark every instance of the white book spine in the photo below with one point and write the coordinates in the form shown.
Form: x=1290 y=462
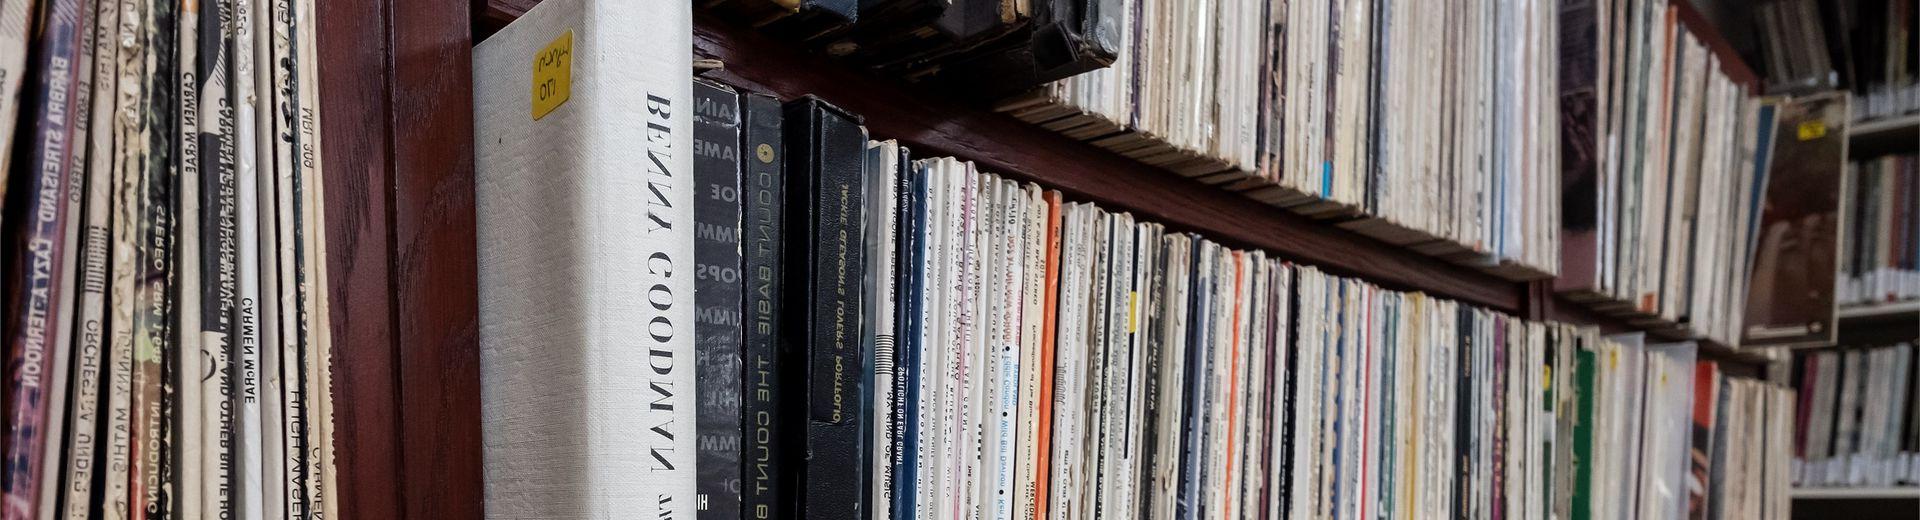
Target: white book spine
x=249 y=505
x=271 y=398
x=89 y=367
x=584 y=220
x=927 y=478
x=1068 y=386
x=187 y=353
x=64 y=350
x=952 y=393
x=317 y=352
x=881 y=234
x=1011 y=272
x=1033 y=296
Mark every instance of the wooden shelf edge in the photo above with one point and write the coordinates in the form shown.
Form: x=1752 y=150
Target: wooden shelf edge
x=1746 y=361
x=1861 y=129
x=1857 y=493
x=1879 y=310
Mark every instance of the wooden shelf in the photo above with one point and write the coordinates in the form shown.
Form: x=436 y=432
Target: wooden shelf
x=397 y=136
x=1899 y=134
x=1880 y=323
x=934 y=124
x=1883 y=125
x=1879 y=310
x=1857 y=493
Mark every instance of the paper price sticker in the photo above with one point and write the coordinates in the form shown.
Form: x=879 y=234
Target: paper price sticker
x=552 y=75
x=1811 y=130
x=1133 y=312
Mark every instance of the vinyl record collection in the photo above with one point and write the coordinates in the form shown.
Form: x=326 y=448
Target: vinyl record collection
x=882 y=335
x=1434 y=120
x=1886 y=58
x=168 y=353
x=1880 y=250
x=1858 y=423
x=1665 y=163
x=976 y=47
x=1795 y=47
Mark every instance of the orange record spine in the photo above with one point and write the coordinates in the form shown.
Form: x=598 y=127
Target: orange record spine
x=1047 y=331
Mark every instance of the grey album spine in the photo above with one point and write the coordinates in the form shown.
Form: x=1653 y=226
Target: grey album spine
x=766 y=488
x=717 y=298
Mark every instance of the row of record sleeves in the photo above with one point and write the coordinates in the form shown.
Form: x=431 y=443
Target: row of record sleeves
x=1857 y=423
x=1880 y=249
x=168 y=348
x=1605 y=144
x=1430 y=125
x=875 y=334
x=1668 y=165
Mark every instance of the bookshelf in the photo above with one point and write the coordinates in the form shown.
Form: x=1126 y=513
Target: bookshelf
x=397 y=129
x=398 y=137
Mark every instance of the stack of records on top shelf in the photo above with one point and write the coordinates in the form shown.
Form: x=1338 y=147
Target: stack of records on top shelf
x=1858 y=424
x=1885 y=55
x=980 y=48
x=1880 y=250
x=169 y=345
x=926 y=340
x=1794 y=46
x=1665 y=157
x=1426 y=124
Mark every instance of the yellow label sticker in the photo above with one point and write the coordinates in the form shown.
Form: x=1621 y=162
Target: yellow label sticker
x=1133 y=312
x=764 y=152
x=1811 y=130
x=552 y=75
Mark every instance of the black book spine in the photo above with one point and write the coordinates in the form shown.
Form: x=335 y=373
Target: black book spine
x=826 y=201
x=1289 y=389
x=717 y=296
x=1463 y=419
x=907 y=337
x=765 y=492
x=1192 y=425
x=1155 y=344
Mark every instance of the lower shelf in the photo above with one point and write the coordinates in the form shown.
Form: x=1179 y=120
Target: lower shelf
x=1857 y=493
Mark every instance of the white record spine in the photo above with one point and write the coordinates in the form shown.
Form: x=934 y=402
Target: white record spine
x=584 y=218
x=83 y=440
x=188 y=467
x=881 y=203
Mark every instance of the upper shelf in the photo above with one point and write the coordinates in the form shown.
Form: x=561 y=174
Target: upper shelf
x=934 y=123
x=1884 y=136
x=1857 y=493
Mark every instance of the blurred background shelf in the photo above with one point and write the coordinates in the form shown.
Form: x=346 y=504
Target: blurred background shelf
x=1871 y=138
x=1856 y=493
